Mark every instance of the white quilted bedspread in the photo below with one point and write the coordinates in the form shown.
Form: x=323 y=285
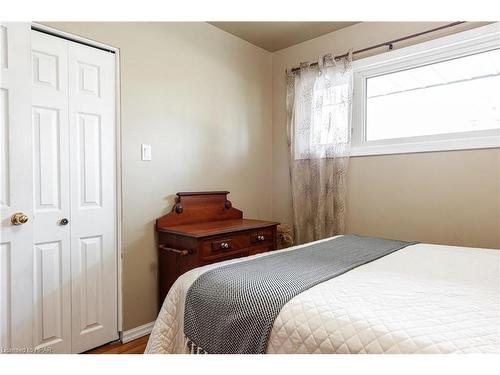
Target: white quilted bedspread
x=422 y=299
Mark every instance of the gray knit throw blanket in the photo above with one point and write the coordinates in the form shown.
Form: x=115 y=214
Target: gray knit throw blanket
x=232 y=308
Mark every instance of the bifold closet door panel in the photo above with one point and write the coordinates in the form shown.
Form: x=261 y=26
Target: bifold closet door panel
x=51 y=186
x=93 y=196
x=58 y=269
x=16 y=188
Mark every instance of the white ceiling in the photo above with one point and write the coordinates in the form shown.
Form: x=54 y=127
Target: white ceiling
x=273 y=36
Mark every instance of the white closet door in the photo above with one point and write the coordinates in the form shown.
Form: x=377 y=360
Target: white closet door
x=16 y=187
x=50 y=129
x=58 y=270
x=93 y=197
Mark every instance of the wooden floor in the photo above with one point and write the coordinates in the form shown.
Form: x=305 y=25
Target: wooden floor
x=133 y=347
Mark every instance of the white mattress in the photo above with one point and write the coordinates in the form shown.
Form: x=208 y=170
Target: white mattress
x=422 y=299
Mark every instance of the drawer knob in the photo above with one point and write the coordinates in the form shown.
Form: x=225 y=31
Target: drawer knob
x=261 y=237
x=224 y=245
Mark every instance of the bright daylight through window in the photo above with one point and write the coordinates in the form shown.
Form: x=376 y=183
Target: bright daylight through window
x=453 y=96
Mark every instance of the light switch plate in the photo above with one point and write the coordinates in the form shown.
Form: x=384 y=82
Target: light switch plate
x=146 y=152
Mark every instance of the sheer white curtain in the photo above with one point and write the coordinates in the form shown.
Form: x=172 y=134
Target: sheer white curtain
x=319 y=101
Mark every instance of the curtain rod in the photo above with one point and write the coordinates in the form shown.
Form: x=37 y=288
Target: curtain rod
x=390 y=42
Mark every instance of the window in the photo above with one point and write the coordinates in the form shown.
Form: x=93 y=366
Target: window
x=458 y=95
x=439 y=95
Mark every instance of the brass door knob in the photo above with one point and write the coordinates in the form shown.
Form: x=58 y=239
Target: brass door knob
x=18 y=218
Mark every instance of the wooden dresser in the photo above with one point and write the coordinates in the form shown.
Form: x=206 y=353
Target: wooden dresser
x=204 y=228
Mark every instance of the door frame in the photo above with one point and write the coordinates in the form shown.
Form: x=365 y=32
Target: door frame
x=118 y=136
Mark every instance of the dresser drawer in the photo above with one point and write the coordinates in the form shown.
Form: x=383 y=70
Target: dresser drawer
x=224 y=244
x=260 y=249
x=225 y=256
x=261 y=236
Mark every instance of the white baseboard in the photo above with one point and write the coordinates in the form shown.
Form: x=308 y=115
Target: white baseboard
x=137 y=332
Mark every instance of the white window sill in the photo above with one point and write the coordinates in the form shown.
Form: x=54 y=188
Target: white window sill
x=427 y=146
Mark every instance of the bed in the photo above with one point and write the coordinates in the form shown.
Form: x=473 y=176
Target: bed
x=423 y=298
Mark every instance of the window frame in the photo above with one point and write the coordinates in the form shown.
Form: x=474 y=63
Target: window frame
x=481 y=39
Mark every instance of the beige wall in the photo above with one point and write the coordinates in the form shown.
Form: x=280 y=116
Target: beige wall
x=450 y=198
x=202 y=99
x=440 y=197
